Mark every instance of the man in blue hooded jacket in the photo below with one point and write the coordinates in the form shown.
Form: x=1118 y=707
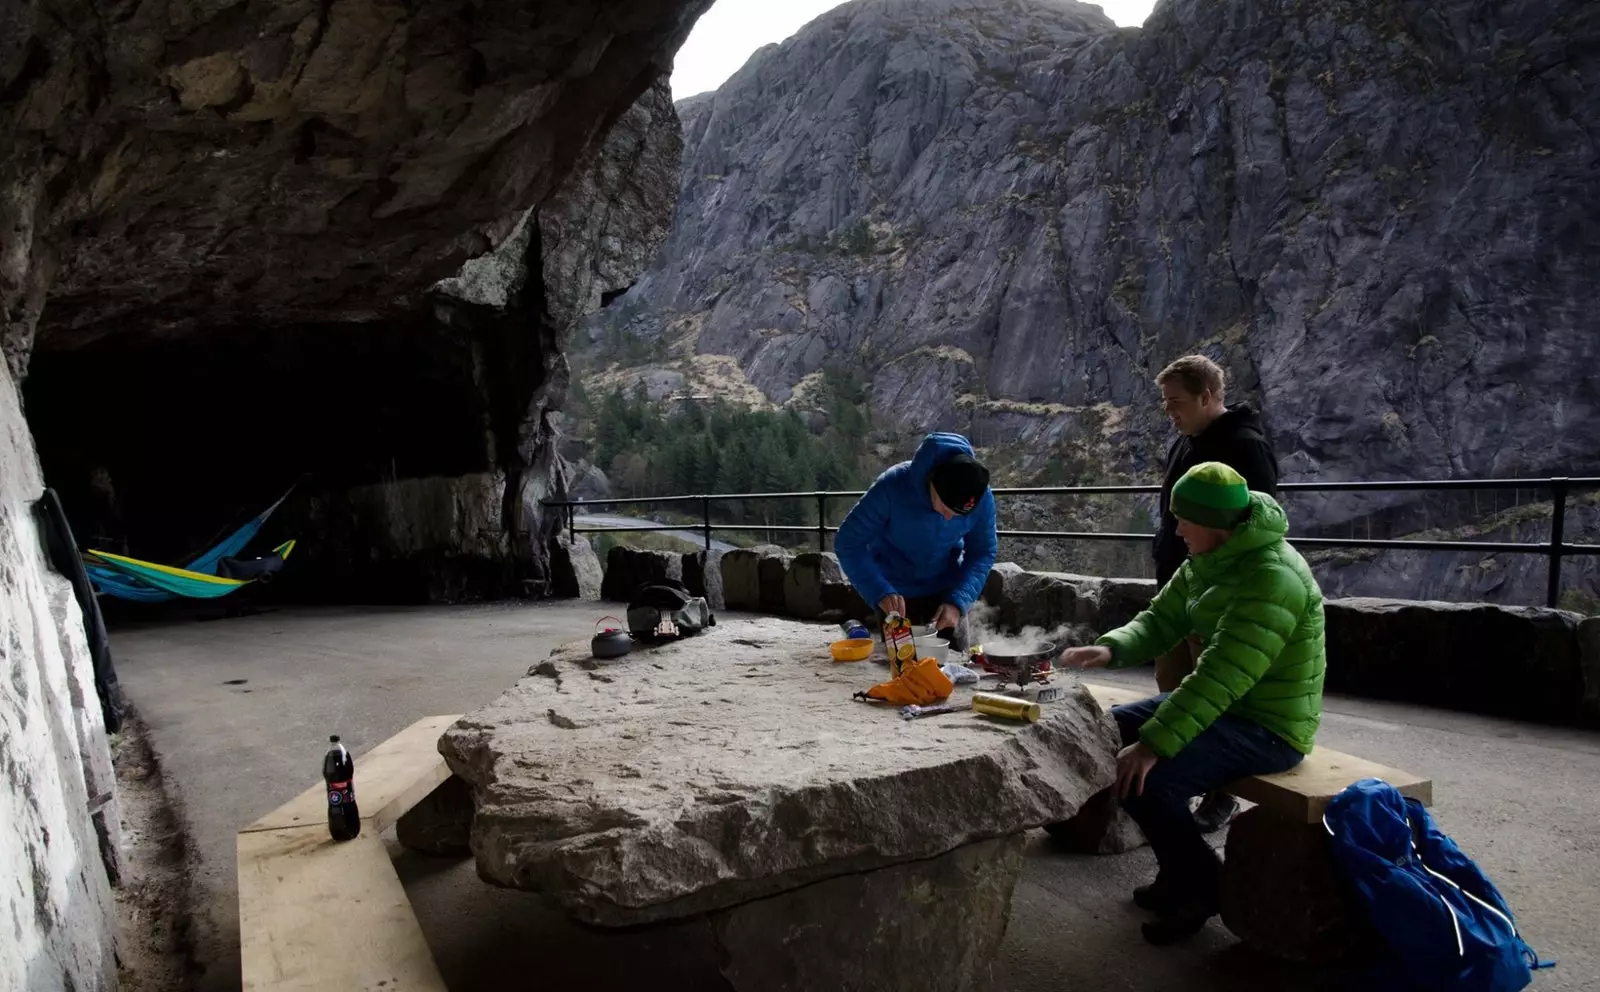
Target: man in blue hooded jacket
x=922 y=540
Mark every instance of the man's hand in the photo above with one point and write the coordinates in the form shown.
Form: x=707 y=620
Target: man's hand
x=948 y=616
x=893 y=603
x=1094 y=656
x=1133 y=764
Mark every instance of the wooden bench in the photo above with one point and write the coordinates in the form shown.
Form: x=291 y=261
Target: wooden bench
x=318 y=914
x=1280 y=889
x=1302 y=793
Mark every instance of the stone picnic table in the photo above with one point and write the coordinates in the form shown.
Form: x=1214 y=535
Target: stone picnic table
x=731 y=778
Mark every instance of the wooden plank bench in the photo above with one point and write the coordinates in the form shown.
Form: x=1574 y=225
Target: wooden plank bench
x=317 y=914
x=1280 y=889
x=1302 y=793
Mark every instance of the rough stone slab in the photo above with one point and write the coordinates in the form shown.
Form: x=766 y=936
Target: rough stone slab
x=629 y=568
x=1121 y=600
x=808 y=578
x=575 y=571
x=441 y=823
x=1589 y=658
x=922 y=926
x=735 y=765
x=1520 y=662
x=1281 y=892
x=1101 y=827
x=773 y=570
x=702 y=573
x=1038 y=599
x=1050 y=600
x=741 y=579
x=841 y=601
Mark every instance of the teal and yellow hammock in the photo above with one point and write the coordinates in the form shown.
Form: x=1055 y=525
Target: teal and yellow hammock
x=127 y=578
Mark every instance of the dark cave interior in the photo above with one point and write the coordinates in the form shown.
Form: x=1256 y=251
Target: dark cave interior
x=159 y=447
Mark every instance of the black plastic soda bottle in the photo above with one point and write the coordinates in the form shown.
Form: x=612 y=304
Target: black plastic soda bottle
x=339 y=771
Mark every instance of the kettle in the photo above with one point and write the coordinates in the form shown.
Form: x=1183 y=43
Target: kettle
x=612 y=642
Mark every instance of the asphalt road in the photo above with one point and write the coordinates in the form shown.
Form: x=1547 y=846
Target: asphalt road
x=239 y=712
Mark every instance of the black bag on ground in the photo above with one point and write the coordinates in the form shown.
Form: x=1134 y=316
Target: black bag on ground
x=665 y=610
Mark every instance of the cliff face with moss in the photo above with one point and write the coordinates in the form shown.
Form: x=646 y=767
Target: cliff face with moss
x=1378 y=216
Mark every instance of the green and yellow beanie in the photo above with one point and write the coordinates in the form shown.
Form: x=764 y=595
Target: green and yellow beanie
x=1212 y=495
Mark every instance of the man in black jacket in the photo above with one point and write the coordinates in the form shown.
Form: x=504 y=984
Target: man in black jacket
x=1208 y=431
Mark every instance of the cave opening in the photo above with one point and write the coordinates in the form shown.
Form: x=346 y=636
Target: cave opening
x=158 y=447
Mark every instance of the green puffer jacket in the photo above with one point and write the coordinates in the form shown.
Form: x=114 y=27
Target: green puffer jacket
x=1256 y=606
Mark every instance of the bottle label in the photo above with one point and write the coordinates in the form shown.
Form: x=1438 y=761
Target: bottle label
x=340 y=794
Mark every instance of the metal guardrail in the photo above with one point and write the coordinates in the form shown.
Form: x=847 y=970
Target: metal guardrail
x=1555 y=548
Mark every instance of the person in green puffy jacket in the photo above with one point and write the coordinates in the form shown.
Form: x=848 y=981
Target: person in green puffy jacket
x=1251 y=706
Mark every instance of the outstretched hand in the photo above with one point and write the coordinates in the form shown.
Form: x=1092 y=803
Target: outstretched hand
x=893 y=603
x=1092 y=656
x=948 y=616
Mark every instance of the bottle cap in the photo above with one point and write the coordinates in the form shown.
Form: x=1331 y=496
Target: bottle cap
x=334 y=739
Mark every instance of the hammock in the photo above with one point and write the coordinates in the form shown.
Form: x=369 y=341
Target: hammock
x=127 y=578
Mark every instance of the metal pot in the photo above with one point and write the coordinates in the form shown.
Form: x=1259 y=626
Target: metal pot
x=611 y=642
x=1043 y=652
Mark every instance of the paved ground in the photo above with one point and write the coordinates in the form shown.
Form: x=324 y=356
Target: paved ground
x=1523 y=799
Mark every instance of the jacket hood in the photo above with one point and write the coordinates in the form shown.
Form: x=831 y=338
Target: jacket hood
x=1266 y=525
x=1236 y=416
x=934 y=449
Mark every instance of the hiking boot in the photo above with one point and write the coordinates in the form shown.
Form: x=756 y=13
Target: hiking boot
x=1171 y=929
x=1214 y=812
x=1156 y=898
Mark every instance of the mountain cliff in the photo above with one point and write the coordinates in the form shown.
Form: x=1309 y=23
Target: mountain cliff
x=1379 y=216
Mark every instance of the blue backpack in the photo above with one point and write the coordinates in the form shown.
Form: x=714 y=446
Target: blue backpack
x=1447 y=926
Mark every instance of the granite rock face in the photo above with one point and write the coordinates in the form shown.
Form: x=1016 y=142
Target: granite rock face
x=290 y=163
x=1518 y=662
x=441 y=823
x=702 y=574
x=735 y=765
x=1073 y=605
x=1283 y=895
x=753 y=578
x=58 y=789
x=921 y=926
x=629 y=568
x=1101 y=827
x=1379 y=216
x=806 y=585
x=575 y=571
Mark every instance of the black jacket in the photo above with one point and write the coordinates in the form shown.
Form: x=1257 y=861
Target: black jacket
x=1235 y=439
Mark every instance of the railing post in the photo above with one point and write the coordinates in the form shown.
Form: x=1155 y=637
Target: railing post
x=1558 y=528
x=822 y=521
x=705 y=520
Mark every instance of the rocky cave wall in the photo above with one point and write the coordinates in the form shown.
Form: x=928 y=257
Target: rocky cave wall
x=338 y=247
x=223 y=232
x=55 y=763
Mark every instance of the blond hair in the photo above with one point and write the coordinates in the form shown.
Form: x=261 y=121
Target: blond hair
x=1197 y=373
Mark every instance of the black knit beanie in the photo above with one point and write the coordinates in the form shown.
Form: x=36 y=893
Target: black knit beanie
x=960 y=481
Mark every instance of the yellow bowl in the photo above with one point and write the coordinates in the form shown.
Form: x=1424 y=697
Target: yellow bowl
x=853 y=649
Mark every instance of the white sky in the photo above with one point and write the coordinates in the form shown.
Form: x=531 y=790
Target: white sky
x=727 y=34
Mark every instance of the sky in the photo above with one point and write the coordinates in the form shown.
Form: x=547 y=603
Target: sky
x=728 y=33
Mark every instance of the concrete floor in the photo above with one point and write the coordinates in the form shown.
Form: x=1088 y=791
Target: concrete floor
x=239 y=711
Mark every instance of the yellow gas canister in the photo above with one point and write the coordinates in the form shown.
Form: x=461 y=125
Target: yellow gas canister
x=994 y=704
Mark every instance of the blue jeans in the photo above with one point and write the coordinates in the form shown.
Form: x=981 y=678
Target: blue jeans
x=1233 y=747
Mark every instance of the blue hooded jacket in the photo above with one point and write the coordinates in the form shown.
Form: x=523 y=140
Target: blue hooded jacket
x=894 y=541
